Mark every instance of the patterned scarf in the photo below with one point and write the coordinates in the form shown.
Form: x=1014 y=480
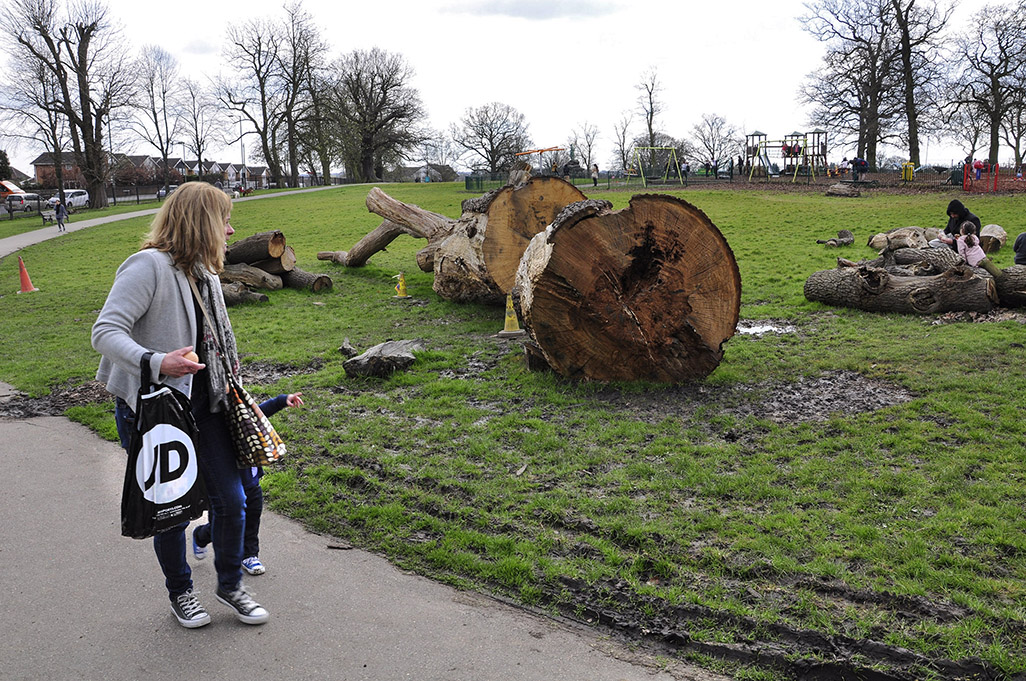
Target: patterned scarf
x=214 y=340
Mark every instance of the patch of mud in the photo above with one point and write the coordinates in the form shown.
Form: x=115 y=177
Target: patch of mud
x=997 y=315
x=807 y=399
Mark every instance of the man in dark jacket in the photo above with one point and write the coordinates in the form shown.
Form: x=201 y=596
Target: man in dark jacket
x=1020 y=249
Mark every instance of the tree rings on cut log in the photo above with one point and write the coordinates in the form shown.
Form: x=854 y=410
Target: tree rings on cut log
x=256 y=248
x=650 y=292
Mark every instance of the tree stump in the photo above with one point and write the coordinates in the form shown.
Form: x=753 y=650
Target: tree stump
x=877 y=290
x=256 y=248
x=992 y=238
x=651 y=292
x=474 y=258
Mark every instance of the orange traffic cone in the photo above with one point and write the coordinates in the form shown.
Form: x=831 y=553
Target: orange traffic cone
x=26 y=283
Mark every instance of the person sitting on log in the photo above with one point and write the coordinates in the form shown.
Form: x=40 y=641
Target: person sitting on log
x=957 y=214
x=968 y=246
x=1020 y=249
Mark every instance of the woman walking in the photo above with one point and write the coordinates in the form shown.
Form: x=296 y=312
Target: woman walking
x=151 y=315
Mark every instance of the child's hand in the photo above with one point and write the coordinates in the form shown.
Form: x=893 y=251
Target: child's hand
x=294 y=400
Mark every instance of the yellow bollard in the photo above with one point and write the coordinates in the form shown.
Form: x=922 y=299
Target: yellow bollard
x=511 y=329
x=400 y=288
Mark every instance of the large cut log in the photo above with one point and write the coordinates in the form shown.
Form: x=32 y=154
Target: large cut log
x=845 y=190
x=1011 y=286
x=285 y=262
x=256 y=248
x=651 y=292
x=253 y=277
x=902 y=237
x=237 y=294
x=358 y=255
x=475 y=258
x=876 y=290
x=992 y=238
x=303 y=280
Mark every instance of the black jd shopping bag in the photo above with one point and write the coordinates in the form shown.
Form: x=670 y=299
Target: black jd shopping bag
x=162 y=481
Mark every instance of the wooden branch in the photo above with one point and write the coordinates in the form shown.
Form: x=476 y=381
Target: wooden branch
x=419 y=222
x=358 y=255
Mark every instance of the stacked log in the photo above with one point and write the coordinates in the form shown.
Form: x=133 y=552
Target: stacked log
x=992 y=238
x=265 y=261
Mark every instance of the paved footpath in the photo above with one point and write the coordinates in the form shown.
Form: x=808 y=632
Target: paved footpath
x=82 y=603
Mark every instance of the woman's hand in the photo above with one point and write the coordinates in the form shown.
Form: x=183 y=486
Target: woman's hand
x=294 y=400
x=176 y=364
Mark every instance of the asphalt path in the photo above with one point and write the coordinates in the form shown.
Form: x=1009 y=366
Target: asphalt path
x=80 y=602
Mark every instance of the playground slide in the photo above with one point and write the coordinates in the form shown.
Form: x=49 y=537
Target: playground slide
x=770 y=169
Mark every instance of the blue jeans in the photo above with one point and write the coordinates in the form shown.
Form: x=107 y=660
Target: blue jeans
x=223 y=481
x=254 y=508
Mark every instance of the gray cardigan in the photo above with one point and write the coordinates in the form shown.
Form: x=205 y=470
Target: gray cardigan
x=149 y=309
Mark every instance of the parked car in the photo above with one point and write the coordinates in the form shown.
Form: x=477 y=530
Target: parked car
x=73 y=198
x=170 y=190
x=24 y=201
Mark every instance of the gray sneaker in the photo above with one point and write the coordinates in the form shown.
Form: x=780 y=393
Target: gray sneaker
x=189 y=612
x=246 y=609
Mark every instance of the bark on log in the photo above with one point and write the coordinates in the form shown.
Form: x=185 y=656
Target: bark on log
x=993 y=238
x=285 y=262
x=303 y=280
x=253 y=277
x=358 y=255
x=844 y=190
x=650 y=292
x=844 y=238
x=383 y=359
x=1011 y=286
x=256 y=248
x=475 y=258
x=876 y=290
x=236 y=293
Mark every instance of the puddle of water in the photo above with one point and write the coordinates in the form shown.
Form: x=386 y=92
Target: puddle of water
x=759 y=329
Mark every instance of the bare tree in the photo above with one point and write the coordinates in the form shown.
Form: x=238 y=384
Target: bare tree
x=253 y=90
x=992 y=53
x=160 y=102
x=202 y=121
x=919 y=30
x=493 y=133
x=966 y=127
x=1013 y=126
x=860 y=78
x=622 y=137
x=84 y=55
x=649 y=104
x=583 y=139
x=378 y=109
x=716 y=140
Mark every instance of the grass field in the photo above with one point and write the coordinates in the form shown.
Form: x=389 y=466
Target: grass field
x=761 y=522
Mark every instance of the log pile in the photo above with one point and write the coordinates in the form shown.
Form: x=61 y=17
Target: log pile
x=264 y=261
x=474 y=258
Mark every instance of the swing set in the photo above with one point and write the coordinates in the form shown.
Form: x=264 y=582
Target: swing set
x=656 y=165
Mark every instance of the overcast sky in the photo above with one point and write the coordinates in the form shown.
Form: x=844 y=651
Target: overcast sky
x=559 y=62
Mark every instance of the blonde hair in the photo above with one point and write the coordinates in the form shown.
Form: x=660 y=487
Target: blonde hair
x=190 y=227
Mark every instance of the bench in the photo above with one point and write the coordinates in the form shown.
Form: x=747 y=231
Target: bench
x=48 y=216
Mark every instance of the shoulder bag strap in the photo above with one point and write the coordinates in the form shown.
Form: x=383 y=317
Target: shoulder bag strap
x=206 y=315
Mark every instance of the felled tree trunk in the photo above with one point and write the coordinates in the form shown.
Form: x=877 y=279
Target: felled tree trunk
x=237 y=294
x=992 y=238
x=876 y=290
x=844 y=190
x=1011 y=286
x=358 y=255
x=256 y=248
x=475 y=258
x=303 y=280
x=253 y=277
x=283 y=263
x=844 y=238
x=650 y=292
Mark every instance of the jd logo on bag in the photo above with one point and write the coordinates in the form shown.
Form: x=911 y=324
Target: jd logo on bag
x=166 y=469
x=163 y=488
